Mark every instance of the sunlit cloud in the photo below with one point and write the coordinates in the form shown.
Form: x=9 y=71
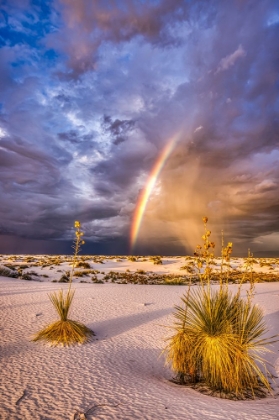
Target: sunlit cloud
x=230 y=59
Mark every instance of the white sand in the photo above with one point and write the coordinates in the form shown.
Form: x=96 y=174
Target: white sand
x=121 y=369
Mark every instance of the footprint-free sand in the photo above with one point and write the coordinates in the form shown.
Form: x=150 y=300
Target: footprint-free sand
x=121 y=373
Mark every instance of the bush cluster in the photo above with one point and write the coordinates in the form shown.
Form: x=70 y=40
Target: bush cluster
x=218 y=336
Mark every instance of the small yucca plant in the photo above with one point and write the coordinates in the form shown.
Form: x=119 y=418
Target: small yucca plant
x=218 y=341
x=65 y=331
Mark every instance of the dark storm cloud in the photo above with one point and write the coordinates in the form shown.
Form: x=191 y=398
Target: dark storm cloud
x=118 y=128
x=96 y=22
x=73 y=137
x=131 y=75
x=229 y=166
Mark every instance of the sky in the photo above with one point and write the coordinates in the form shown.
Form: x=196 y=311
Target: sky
x=138 y=118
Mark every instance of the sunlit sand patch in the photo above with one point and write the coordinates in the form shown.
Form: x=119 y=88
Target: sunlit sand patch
x=121 y=370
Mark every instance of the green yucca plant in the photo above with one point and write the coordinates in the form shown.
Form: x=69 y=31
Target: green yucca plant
x=66 y=331
x=218 y=341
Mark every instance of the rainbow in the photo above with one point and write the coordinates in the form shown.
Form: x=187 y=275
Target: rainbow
x=145 y=194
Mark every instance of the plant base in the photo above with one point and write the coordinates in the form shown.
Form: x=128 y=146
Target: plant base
x=64 y=333
x=203 y=388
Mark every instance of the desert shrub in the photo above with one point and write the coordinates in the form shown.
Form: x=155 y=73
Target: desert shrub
x=66 y=331
x=30 y=259
x=33 y=273
x=189 y=268
x=218 y=340
x=93 y=272
x=141 y=272
x=7 y=272
x=132 y=258
x=174 y=281
x=98 y=260
x=82 y=264
x=26 y=276
x=219 y=336
x=80 y=273
x=96 y=280
x=65 y=278
x=145 y=278
x=157 y=260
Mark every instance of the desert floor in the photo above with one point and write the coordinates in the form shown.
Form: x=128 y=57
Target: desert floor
x=121 y=373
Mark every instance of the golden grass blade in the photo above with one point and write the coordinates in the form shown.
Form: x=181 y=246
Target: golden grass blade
x=62 y=303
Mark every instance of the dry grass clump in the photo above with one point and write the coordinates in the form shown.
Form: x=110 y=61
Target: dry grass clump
x=96 y=280
x=139 y=271
x=80 y=273
x=142 y=277
x=82 y=264
x=26 y=276
x=174 y=281
x=189 y=268
x=218 y=339
x=65 y=278
x=156 y=259
x=66 y=331
x=98 y=260
x=48 y=260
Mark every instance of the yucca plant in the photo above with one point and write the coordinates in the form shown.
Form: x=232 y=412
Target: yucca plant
x=218 y=341
x=66 y=331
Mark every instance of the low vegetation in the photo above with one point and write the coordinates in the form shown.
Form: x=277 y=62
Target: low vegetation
x=66 y=331
x=156 y=259
x=7 y=272
x=143 y=277
x=82 y=264
x=235 y=270
x=65 y=278
x=219 y=336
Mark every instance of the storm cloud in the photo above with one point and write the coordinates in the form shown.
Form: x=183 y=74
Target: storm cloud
x=91 y=92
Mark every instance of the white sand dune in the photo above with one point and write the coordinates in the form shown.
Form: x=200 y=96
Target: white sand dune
x=120 y=374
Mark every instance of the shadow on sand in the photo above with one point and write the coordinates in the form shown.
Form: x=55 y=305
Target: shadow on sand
x=113 y=327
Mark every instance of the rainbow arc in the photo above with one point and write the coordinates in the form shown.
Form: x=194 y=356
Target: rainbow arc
x=150 y=184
